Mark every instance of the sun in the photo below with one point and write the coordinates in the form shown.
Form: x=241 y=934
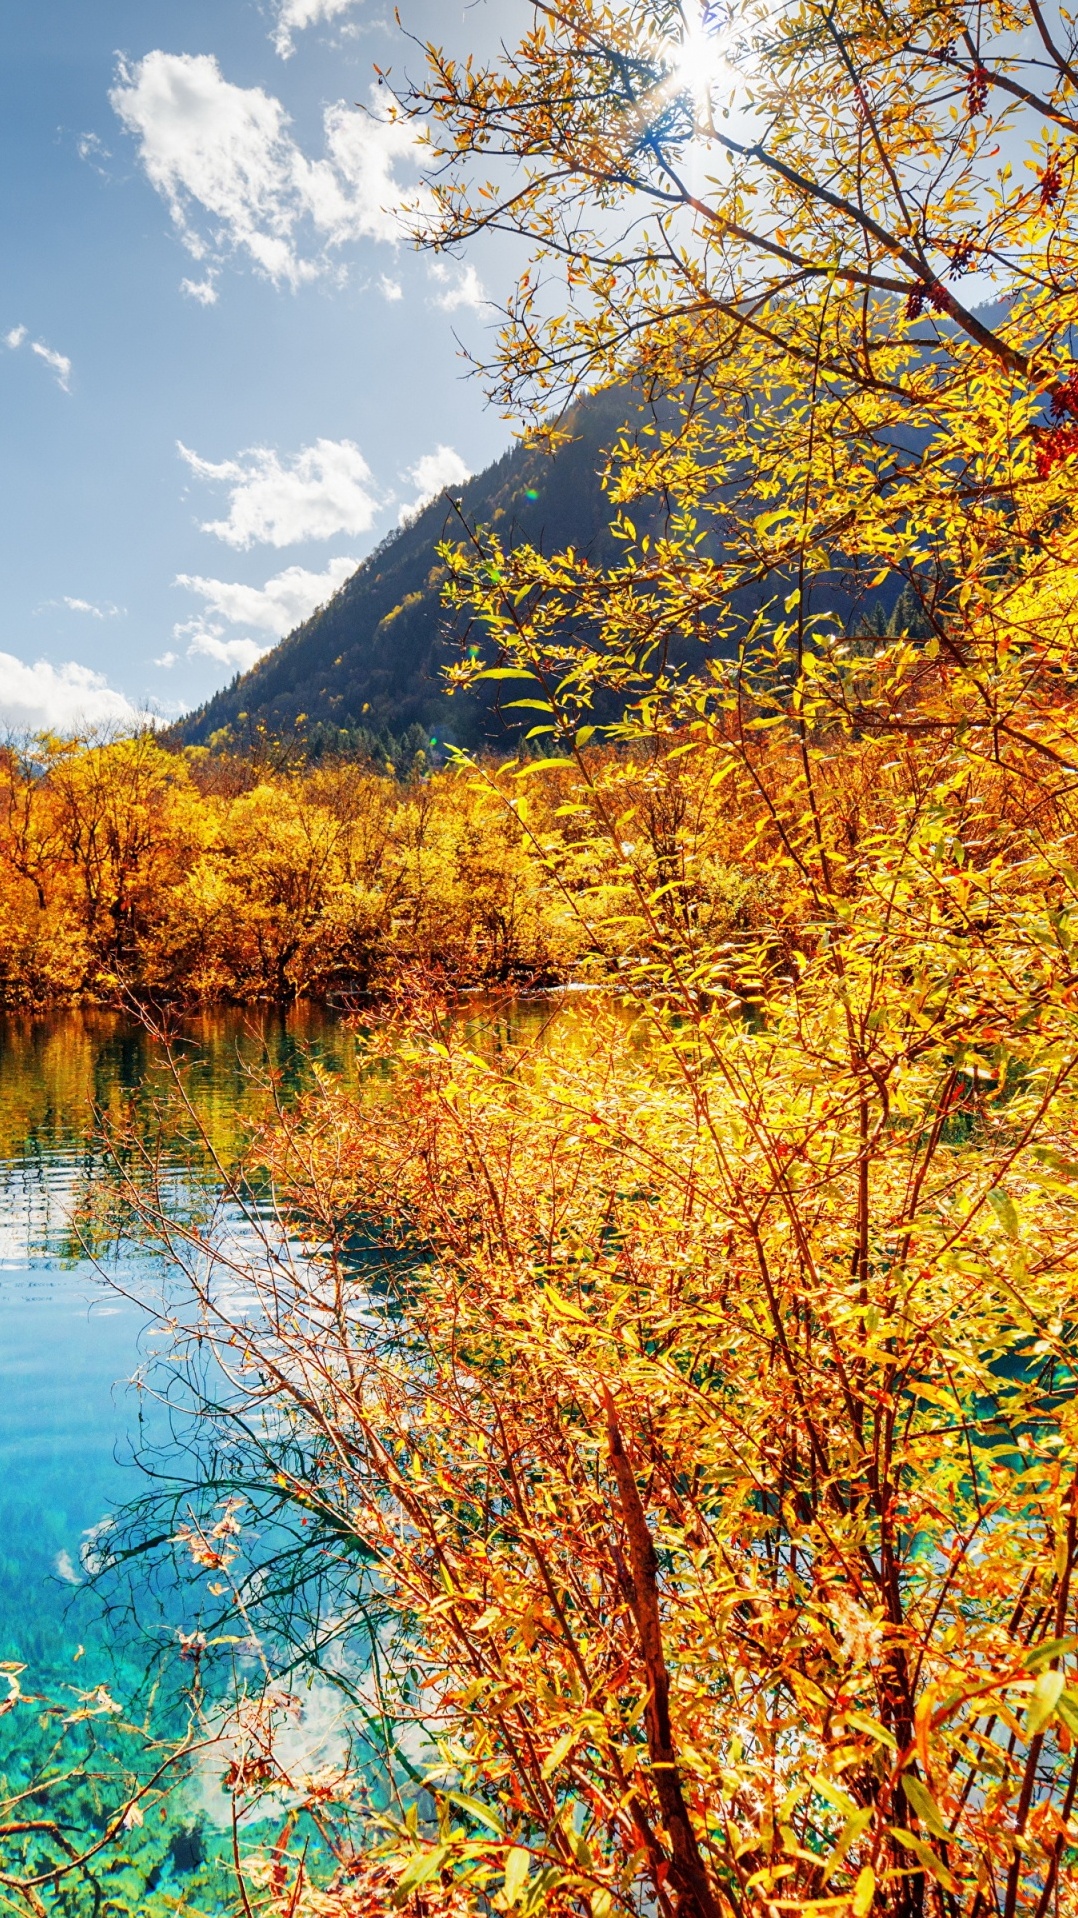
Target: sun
x=697 y=63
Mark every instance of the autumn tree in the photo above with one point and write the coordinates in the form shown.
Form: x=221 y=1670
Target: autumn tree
x=770 y=216
x=682 y=1408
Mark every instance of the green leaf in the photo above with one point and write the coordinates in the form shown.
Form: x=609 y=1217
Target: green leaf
x=423 y=1866
x=541 y=1887
x=1005 y=1210
x=1049 y=1648
x=849 y=1834
x=872 y=1728
x=1056 y=1161
x=517 y=1867
x=1067 y=1709
x=559 y=1750
x=925 y=1856
x=864 y=1893
x=920 y=1800
x=1043 y=1700
x=482 y=1813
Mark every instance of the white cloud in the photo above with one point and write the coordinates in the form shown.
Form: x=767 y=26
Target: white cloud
x=323 y=490
x=238 y=654
x=432 y=474
x=294 y=15
x=63 y=699
x=59 y=362
x=390 y=289
x=462 y=289
x=75 y=605
x=204 y=291
x=108 y=611
x=356 y=194
x=225 y=161
x=283 y=603
x=279 y=606
x=94 y=151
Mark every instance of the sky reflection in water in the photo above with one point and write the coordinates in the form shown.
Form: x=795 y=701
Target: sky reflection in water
x=69 y=1343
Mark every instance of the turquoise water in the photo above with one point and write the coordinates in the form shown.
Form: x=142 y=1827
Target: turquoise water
x=66 y=1419
x=79 y=1420
x=70 y=1420
x=74 y=1336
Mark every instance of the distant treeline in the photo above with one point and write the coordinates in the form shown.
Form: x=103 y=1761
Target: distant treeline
x=218 y=875
x=323 y=859
x=250 y=748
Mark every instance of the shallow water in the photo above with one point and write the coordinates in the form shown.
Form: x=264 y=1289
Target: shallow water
x=75 y=1334
x=70 y=1343
x=71 y=1422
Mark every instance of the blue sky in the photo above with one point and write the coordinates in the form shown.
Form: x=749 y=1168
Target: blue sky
x=222 y=376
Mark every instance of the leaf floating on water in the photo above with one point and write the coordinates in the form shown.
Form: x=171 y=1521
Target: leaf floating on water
x=11 y=1672
x=96 y=1704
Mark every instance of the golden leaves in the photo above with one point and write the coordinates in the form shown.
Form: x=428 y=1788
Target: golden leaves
x=713 y=1450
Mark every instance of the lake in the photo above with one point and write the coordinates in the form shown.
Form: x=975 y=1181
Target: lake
x=69 y=1342
x=71 y=1422
x=75 y=1334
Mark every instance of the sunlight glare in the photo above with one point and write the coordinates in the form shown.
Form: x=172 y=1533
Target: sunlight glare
x=698 y=62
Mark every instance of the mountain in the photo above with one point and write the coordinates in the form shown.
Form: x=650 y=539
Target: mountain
x=370 y=659
x=364 y=672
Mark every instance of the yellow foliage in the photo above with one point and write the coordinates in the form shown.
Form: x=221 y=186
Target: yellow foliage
x=681 y=1410
x=121 y=867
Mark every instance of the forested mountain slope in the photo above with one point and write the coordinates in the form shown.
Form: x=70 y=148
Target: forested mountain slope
x=372 y=656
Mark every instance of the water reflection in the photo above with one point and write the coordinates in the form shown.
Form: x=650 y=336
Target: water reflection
x=74 y=1333
x=69 y=1422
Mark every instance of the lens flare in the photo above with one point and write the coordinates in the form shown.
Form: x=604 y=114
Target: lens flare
x=698 y=61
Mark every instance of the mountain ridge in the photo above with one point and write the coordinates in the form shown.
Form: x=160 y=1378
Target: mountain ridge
x=371 y=657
